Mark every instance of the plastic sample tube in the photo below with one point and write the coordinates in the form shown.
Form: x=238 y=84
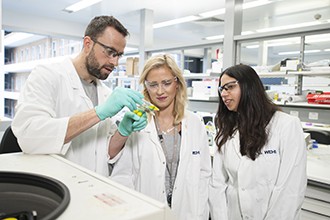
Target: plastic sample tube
x=145 y=107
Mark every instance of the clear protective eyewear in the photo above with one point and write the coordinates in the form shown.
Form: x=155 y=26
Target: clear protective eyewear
x=228 y=86
x=165 y=84
x=109 y=51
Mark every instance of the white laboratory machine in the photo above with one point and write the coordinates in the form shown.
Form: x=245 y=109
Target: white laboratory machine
x=91 y=196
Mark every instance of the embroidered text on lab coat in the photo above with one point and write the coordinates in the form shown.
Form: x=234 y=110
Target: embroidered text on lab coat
x=195 y=152
x=270 y=151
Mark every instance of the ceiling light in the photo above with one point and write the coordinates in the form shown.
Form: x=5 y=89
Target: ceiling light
x=80 y=5
x=327 y=50
x=297 y=52
x=277 y=44
x=255 y=4
x=176 y=21
x=215 y=37
x=306 y=24
x=130 y=49
x=252 y=46
x=289 y=53
x=273 y=44
x=317 y=38
x=209 y=14
x=312 y=51
x=16 y=36
x=247 y=32
x=295 y=40
x=16 y=39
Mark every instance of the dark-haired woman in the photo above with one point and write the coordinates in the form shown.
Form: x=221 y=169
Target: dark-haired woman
x=259 y=170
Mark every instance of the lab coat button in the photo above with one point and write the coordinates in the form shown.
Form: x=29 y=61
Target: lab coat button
x=243 y=189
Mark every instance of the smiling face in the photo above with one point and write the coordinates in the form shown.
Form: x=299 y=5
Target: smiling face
x=231 y=92
x=98 y=62
x=162 y=87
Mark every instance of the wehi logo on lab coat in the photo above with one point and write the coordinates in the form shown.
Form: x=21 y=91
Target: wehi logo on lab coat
x=195 y=152
x=270 y=152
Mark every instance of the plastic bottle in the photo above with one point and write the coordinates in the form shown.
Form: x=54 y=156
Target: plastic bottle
x=208 y=90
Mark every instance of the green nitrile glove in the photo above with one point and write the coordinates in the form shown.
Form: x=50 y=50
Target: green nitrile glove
x=118 y=99
x=141 y=123
x=132 y=122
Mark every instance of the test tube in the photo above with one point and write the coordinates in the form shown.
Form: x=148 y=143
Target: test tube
x=145 y=107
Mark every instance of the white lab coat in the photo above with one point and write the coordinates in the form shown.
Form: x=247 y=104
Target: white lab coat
x=141 y=165
x=52 y=94
x=270 y=188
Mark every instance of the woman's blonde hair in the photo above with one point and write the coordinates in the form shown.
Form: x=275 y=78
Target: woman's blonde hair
x=167 y=60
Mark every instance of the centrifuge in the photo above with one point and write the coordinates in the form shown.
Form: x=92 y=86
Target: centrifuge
x=69 y=191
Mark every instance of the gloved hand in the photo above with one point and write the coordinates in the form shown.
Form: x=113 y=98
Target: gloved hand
x=118 y=99
x=132 y=122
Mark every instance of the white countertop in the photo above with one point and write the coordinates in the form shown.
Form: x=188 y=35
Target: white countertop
x=316 y=126
x=318 y=164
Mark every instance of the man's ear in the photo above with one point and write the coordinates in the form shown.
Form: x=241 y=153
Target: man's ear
x=88 y=43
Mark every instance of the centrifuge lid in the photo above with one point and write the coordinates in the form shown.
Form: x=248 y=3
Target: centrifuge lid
x=32 y=192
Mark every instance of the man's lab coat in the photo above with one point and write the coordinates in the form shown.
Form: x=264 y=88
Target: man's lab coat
x=52 y=94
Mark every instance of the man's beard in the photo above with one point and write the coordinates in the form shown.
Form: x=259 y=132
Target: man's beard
x=92 y=67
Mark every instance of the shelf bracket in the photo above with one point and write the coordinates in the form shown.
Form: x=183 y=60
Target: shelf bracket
x=299 y=84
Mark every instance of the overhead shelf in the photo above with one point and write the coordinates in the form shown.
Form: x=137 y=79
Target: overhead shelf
x=286 y=104
x=200 y=75
x=303 y=104
x=288 y=73
x=295 y=73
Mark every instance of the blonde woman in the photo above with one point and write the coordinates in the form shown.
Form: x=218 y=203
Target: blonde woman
x=169 y=160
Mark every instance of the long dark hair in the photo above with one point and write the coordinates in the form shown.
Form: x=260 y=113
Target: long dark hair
x=254 y=112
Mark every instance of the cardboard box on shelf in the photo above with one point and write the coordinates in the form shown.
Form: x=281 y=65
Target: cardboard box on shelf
x=132 y=66
x=136 y=66
x=290 y=65
x=129 y=66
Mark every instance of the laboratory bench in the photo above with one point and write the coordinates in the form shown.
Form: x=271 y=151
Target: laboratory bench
x=317 y=198
x=316 y=205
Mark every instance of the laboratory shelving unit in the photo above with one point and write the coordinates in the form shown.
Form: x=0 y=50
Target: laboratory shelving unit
x=305 y=111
